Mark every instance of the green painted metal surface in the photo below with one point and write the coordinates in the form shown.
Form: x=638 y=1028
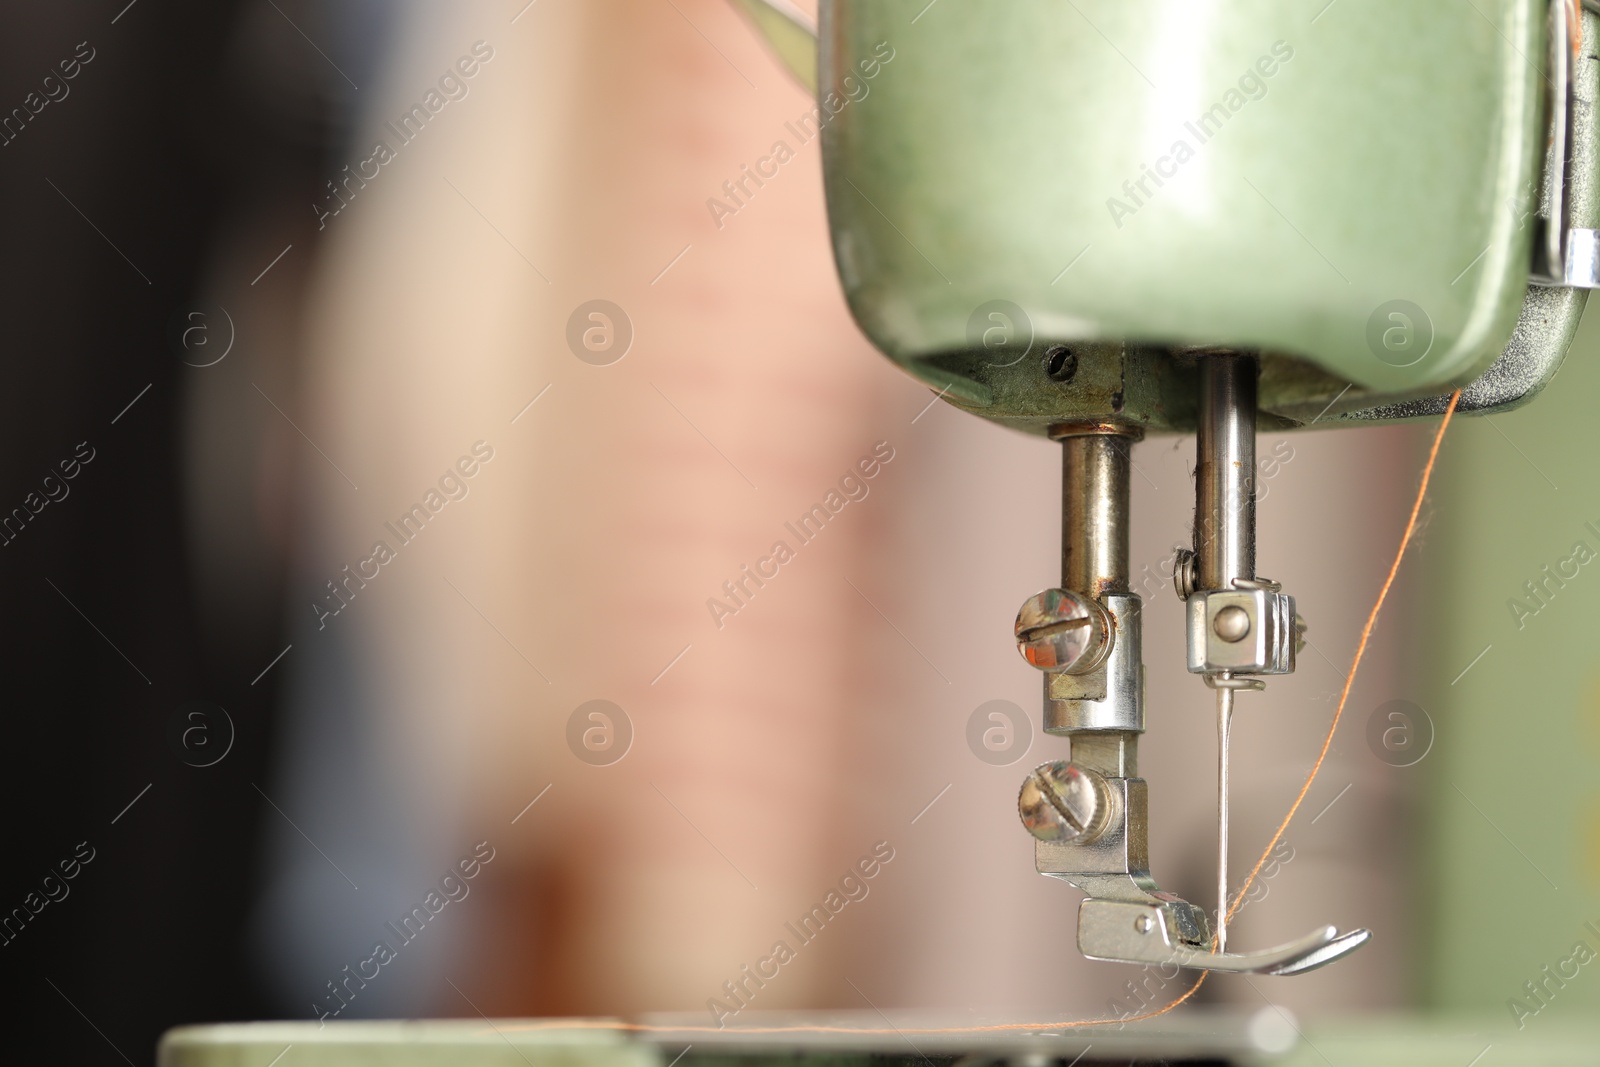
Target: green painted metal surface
x=1444 y=1041
x=1316 y=167
x=1511 y=878
x=411 y=1043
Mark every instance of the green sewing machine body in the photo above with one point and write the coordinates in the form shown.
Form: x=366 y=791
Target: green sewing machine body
x=1353 y=198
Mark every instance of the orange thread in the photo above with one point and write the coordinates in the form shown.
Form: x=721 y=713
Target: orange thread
x=1327 y=743
x=1361 y=648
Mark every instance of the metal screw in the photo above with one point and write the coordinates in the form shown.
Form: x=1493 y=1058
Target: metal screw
x=1143 y=924
x=1185 y=573
x=1062 y=802
x=1232 y=623
x=1062 y=631
x=1060 y=363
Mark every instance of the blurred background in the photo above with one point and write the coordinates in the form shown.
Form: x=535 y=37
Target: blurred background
x=263 y=346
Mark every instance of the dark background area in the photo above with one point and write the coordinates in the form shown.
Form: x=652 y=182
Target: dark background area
x=113 y=195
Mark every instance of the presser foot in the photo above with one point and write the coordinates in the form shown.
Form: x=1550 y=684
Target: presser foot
x=1118 y=931
x=1091 y=831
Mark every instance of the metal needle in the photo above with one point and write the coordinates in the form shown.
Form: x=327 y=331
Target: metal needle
x=1225 y=537
x=1224 y=720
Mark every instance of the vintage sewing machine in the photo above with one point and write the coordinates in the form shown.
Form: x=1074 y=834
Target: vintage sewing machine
x=1096 y=221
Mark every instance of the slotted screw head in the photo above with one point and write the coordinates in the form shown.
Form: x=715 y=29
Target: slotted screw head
x=1185 y=573
x=1058 y=630
x=1063 y=802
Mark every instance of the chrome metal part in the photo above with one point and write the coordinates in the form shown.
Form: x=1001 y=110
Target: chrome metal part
x=1115 y=864
x=1107 y=695
x=1111 y=753
x=1090 y=816
x=1095 y=468
x=1110 y=697
x=1582 y=258
x=1061 y=801
x=1127 y=932
x=1183 y=573
x=1260 y=630
x=1237 y=623
x=1225 y=466
x=1565 y=251
x=1059 y=630
x=1549 y=259
x=1239 y=626
x=1224 y=722
x=1231 y=623
x=1128 y=919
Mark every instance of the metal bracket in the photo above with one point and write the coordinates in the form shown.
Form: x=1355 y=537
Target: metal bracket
x=1564 y=254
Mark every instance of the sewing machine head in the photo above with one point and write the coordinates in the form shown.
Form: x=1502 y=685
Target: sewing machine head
x=1097 y=221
